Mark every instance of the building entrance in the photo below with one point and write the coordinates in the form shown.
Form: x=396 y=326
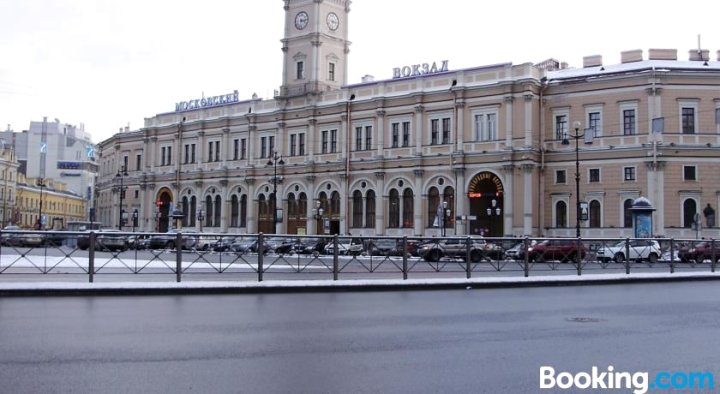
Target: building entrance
x=485 y=194
x=162 y=212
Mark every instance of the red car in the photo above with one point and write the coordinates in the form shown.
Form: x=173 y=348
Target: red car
x=699 y=252
x=565 y=250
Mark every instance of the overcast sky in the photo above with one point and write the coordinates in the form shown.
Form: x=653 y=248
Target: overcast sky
x=112 y=63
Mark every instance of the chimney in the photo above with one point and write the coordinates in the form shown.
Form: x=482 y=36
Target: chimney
x=635 y=55
x=662 y=54
x=368 y=78
x=592 y=61
x=699 y=55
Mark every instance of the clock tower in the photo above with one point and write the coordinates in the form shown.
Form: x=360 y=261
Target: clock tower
x=315 y=46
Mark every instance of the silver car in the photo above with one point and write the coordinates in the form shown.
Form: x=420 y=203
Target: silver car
x=637 y=249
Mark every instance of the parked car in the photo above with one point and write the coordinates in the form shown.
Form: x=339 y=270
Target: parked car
x=16 y=237
x=248 y=245
x=190 y=239
x=699 y=252
x=280 y=245
x=383 y=247
x=138 y=241
x=310 y=245
x=515 y=252
x=223 y=244
x=346 y=246
x=457 y=248
x=639 y=249
x=564 y=250
x=105 y=239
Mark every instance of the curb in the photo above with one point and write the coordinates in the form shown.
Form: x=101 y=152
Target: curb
x=30 y=289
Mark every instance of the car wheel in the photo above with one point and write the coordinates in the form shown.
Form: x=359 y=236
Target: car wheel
x=170 y=245
x=619 y=258
x=475 y=256
x=434 y=255
x=653 y=258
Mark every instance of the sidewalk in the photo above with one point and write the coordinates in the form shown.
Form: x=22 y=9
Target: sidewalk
x=288 y=286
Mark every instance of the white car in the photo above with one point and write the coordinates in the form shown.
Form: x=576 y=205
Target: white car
x=346 y=246
x=638 y=249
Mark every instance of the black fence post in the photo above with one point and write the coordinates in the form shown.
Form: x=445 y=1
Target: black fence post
x=713 y=257
x=404 y=257
x=526 y=256
x=261 y=252
x=627 y=256
x=178 y=257
x=468 y=252
x=335 y=257
x=672 y=256
x=91 y=257
x=578 y=256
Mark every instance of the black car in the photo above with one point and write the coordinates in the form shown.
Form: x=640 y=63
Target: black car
x=383 y=247
x=310 y=245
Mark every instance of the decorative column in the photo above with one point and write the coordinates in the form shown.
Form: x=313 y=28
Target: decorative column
x=311 y=148
x=252 y=208
x=344 y=202
x=152 y=159
x=380 y=133
x=251 y=144
x=225 y=145
x=224 y=212
x=380 y=204
x=343 y=136
x=281 y=139
x=146 y=209
x=460 y=127
x=528 y=119
x=419 y=136
x=311 y=222
x=508 y=120
x=461 y=200
x=527 y=198
x=656 y=187
x=418 y=198
x=508 y=199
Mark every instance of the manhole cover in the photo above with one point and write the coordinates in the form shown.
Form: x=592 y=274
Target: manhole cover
x=583 y=319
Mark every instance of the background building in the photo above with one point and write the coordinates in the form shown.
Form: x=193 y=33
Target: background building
x=47 y=199
x=432 y=151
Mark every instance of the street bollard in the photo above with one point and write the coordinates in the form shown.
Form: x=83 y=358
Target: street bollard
x=526 y=255
x=578 y=256
x=468 y=252
x=404 y=256
x=672 y=256
x=178 y=257
x=335 y=257
x=627 y=256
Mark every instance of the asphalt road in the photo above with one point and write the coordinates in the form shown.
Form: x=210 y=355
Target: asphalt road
x=461 y=341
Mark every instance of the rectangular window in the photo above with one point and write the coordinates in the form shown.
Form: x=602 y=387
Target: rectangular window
x=406 y=134
x=331 y=71
x=271 y=146
x=368 y=137
x=243 y=148
x=301 y=144
x=629 y=173
x=125 y=163
x=689 y=173
x=446 y=130
x=561 y=127
x=324 y=148
x=192 y=153
x=594 y=123
x=629 y=122
x=236 y=149
x=210 y=150
x=293 y=138
x=217 y=150
x=138 y=162
x=300 y=70
x=169 y=155
x=137 y=194
x=688 y=120
x=263 y=147
x=333 y=140
x=434 y=131
x=358 y=138
x=395 y=134
x=187 y=154
x=560 y=176
x=486 y=127
x=594 y=175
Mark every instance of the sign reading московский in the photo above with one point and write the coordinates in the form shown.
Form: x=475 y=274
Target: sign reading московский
x=208 y=101
x=419 y=69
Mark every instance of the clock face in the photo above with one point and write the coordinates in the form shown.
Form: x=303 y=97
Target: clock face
x=301 y=20
x=332 y=21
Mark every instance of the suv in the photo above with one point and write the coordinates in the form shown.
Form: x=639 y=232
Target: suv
x=565 y=250
x=457 y=247
x=639 y=249
x=190 y=240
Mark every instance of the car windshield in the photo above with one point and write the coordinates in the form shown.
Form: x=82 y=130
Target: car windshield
x=385 y=242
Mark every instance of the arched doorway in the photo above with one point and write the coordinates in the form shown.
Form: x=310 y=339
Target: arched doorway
x=162 y=215
x=487 y=206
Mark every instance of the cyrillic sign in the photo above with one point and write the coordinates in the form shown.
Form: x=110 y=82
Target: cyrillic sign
x=420 y=69
x=207 y=102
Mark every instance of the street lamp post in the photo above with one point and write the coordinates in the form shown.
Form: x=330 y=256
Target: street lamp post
x=444 y=216
x=200 y=218
x=41 y=184
x=493 y=210
x=135 y=219
x=318 y=217
x=576 y=136
x=121 y=174
x=275 y=159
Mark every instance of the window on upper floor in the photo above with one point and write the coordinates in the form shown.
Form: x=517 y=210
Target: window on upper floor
x=561 y=127
x=486 y=126
x=331 y=71
x=595 y=123
x=300 y=70
x=405 y=133
x=689 y=173
x=688 y=120
x=560 y=176
x=629 y=124
x=629 y=173
x=594 y=175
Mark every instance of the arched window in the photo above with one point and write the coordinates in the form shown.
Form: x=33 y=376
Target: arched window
x=595 y=213
x=234 y=211
x=262 y=205
x=357 y=209
x=370 y=210
x=324 y=203
x=185 y=210
x=561 y=214
x=217 y=211
x=243 y=210
x=627 y=215
x=394 y=209
x=292 y=205
x=689 y=211
x=408 y=209
x=335 y=204
x=433 y=203
x=302 y=205
x=193 y=210
x=209 y=211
